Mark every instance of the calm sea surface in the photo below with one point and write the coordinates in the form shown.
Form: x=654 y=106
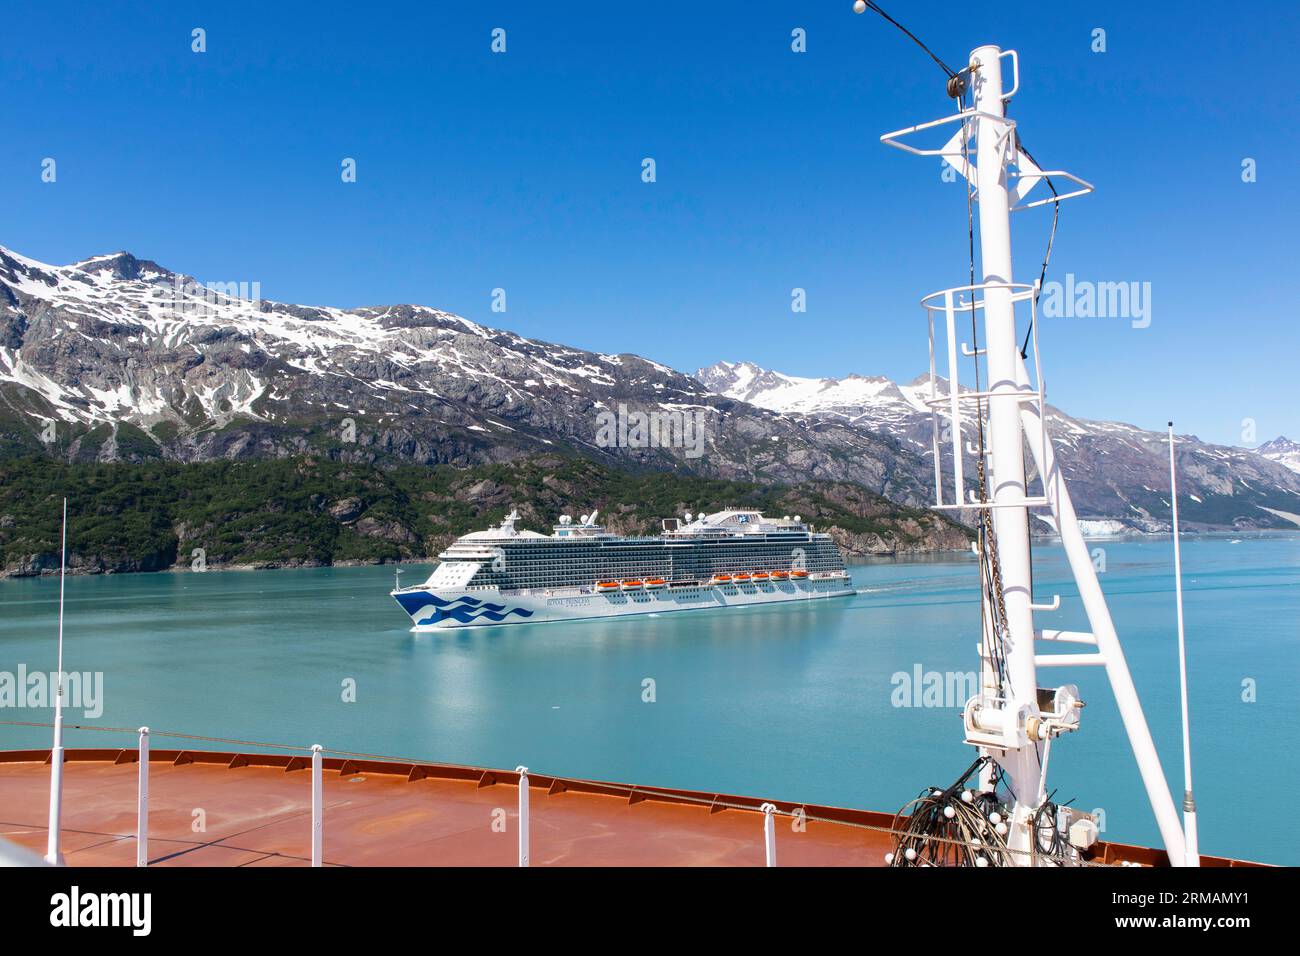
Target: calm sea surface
x=791 y=703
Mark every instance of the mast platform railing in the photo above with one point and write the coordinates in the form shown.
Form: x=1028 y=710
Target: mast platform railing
x=948 y=304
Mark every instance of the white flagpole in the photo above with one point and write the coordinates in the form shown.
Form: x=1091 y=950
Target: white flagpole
x=1191 y=853
x=53 y=854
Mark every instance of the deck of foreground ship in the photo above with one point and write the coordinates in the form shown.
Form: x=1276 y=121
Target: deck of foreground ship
x=256 y=809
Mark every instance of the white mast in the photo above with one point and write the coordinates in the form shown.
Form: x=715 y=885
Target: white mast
x=1013 y=722
x=1191 y=852
x=53 y=853
x=994 y=150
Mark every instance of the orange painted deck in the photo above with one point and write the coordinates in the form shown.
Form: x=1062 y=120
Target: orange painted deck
x=256 y=811
x=390 y=815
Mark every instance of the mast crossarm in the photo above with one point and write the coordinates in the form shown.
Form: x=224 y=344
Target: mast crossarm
x=953 y=146
x=1069 y=660
x=1030 y=175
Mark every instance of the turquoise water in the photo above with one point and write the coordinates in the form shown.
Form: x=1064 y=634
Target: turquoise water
x=792 y=703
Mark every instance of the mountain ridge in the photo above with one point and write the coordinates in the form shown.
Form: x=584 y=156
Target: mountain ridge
x=117 y=358
x=1282 y=450
x=1118 y=473
x=129 y=360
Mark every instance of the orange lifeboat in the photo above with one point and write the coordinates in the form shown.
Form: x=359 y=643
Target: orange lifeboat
x=799 y=574
x=722 y=579
x=631 y=585
x=654 y=584
x=606 y=586
x=760 y=575
x=780 y=575
x=741 y=578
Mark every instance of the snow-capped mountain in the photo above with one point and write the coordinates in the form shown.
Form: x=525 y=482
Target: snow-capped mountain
x=116 y=357
x=1282 y=450
x=1118 y=473
x=856 y=399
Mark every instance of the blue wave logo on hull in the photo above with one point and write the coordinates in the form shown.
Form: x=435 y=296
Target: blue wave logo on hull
x=426 y=608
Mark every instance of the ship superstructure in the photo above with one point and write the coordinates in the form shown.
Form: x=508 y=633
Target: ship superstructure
x=506 y=575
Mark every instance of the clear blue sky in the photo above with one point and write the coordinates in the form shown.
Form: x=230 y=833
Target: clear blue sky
x=523 y=171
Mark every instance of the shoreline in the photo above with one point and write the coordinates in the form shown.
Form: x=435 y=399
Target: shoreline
x=358 y=563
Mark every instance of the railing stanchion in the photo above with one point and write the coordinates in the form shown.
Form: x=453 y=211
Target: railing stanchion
x=317 y=805
x=523 y=814
x=769 y=832
x=142 y=803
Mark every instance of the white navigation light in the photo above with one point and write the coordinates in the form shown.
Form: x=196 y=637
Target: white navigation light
x=859 y=6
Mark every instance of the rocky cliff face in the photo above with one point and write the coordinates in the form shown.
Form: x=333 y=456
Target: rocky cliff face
x=1118 y=474
x=119 y=359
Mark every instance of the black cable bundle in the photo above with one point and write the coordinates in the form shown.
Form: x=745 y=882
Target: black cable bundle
x=1057 y=845
x=952 y=827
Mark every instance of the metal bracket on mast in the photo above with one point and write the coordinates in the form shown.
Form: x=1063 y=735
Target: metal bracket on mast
x=957 y=151
x=1028 y=175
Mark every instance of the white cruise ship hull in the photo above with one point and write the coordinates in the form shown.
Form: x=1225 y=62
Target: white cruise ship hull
x=433 y=610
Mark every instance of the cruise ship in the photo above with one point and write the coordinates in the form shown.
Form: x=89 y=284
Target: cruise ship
x=735 y=557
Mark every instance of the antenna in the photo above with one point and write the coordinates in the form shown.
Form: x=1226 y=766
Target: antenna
x=1012 y=719
x=1191 y=850
x=53 y=853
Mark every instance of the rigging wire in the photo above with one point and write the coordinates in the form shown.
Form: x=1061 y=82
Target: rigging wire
x=990 y=566
x=1056 y=206
x=1047 y=256
x=868 y=4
